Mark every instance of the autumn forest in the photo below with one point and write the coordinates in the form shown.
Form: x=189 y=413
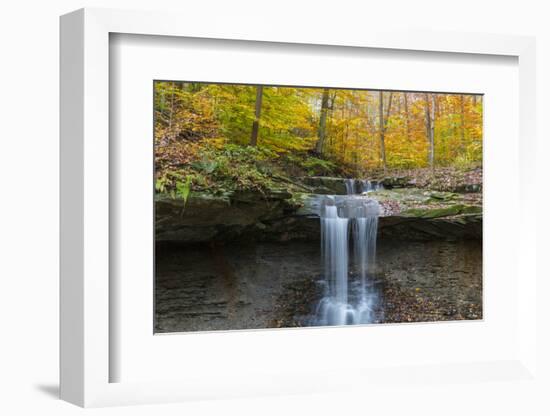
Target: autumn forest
x=319 y=130
x=281 y=206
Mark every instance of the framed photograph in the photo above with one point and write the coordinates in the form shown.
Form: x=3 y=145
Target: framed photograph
x=281 y=208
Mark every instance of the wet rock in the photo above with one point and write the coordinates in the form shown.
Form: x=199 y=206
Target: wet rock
x=439 y=178
x=397 y=182
x=451 y=228
x=205 y=217
x=468 y=188
x=448 y=211
x=279 y=215
x=207 y=287
x=431 y=281
x=326 y=185
x=415 y=196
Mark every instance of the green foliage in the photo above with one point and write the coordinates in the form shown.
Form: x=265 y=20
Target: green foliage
x=183 y=189
x=318 y=167
x=239 y=167
x=463 y=162
x=166 y=181
x=220 y=170
x=403 y=161
x=205 y=165
x=161 y=184
x=176 y=184
x=470 y=158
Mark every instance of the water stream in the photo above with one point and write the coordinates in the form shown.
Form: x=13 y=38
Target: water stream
x=359 y=186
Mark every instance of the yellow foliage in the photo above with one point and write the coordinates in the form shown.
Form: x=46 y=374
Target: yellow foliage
x=290 y=122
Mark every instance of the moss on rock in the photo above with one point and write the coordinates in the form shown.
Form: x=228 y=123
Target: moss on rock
x=441 y=212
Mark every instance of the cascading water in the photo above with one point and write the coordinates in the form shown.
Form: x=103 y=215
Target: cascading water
x=370 y=186
x=350 y=186
x=354 y=186
x=349 y=297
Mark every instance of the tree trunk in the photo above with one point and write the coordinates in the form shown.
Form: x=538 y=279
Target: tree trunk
x=388 y=110
x=407 y=117
x=399 y=103
x=462 y=125
x=319 y=147
x=430 y=116
x=383 y=124
x=346 y=130
x=381 y=129
x=172 y=87
x=432 y=135
x=256 y=123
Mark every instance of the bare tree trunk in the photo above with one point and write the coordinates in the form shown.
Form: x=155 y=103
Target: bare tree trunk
x=162 y=97
x=399 y=103
x=462 y=125
x=171 y=110
x=432 y=133
x=430 y=116
x=319 y=147
x=407 y=117
x=256 y=123
x=388 y=110
x=356 y=154
x=383 y=124
x=381 y=129
x=346 y=130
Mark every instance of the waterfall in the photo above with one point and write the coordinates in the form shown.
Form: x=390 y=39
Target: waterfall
x=354 y=186
x=350 y=186
x=369 y=186
x=364 y=241
x=349 y=297
x=334 y=246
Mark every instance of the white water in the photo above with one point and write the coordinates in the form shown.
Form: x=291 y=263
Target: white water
x=349 y=298
x=350 y=186
x=354 y=186
x=370 y=186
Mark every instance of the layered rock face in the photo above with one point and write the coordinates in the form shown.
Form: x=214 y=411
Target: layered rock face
x=252 y=260
x=278 y=215
x=207 y=287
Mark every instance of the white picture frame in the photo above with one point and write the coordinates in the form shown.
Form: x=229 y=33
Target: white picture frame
x=85 y=213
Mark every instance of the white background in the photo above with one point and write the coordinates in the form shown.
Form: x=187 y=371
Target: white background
x=137 y=60
x=29 y=210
